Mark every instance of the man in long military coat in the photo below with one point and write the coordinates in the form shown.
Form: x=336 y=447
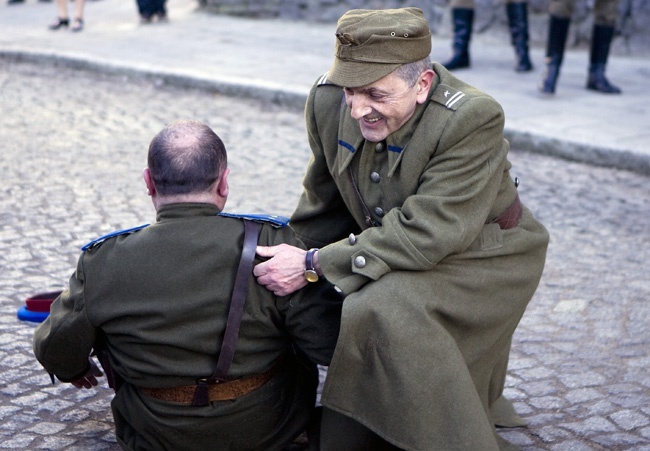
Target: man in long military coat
x=160 y=296
x=410 y=210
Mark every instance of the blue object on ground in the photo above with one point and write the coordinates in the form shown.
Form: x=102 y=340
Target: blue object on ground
x=28 y=315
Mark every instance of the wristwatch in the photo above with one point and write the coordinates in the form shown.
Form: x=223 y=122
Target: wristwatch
x=310 y=272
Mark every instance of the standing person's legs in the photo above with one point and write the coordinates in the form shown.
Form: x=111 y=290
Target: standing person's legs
x=558 y=29
x=62 y=19
x=161 y=12
x=149 y=9
x=462 y=12
x=605 y=15
x=146 y=9
x=518 y=23
x=78 y=23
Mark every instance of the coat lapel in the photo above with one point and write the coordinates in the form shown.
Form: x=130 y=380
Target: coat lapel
x=350 y=140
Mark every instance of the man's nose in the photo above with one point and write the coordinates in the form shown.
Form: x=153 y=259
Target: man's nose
x=359 y=106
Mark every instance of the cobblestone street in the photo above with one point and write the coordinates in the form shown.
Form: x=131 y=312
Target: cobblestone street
x=73 y=148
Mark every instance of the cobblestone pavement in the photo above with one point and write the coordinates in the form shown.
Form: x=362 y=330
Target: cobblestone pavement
x=74 y=144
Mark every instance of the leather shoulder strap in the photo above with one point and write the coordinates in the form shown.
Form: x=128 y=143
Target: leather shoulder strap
x=237 y=301
x=235 y=313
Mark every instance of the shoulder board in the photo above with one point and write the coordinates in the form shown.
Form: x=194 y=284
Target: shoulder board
x=101 y=239
x=450 y=97
x=274 y=220
x=323 y=80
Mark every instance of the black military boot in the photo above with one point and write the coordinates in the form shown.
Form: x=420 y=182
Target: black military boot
x=600 y=41
x=518 y=22
x=558 y=29
x=463 y=19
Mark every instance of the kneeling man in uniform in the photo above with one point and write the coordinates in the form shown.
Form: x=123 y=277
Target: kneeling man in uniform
x=193 y=369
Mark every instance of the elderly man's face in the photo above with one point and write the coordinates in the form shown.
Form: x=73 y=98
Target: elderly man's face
x=385 y=105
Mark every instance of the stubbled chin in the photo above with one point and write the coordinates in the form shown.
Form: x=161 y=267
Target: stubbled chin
x=373 y=134
x=373 y=131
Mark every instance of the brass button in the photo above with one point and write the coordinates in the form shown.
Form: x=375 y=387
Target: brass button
x=379 y=147
x=375 y=177
x=352 y=239
x=359 y=261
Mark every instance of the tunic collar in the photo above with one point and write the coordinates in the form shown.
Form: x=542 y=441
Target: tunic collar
x=170 y=212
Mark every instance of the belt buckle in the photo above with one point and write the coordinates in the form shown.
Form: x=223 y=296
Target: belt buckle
x=209 y=381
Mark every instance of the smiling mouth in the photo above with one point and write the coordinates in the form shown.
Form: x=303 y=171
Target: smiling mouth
x=371 y=120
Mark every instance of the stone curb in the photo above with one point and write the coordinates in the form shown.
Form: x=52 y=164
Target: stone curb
x=277 y=94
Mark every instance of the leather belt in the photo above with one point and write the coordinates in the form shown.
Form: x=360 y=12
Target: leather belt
x=511 y=216
x=221 y=391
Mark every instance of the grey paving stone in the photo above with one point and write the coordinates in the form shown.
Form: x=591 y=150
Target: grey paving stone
x=71 y=164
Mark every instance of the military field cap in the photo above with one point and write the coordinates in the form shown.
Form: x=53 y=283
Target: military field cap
x=371 y=44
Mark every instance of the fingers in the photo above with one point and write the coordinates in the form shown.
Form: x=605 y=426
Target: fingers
x=88 y=380
x=94 y=370
x=283 y=273
x=85 y=382
x=282 y=258
x=268 y=251
x=282 y=285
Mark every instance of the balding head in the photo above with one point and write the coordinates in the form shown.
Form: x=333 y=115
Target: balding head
x=186 y=157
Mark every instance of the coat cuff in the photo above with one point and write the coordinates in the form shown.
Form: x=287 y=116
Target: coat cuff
x=79 y=375
x=350 y=267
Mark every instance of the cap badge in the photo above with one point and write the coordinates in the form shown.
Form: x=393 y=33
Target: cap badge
x=346 y=39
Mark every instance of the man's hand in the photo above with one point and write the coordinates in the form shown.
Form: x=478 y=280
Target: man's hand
x=284 y=273
x=89 y=379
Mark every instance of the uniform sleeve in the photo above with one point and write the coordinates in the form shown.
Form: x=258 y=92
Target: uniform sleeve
x=313 y=318
x=321 y=217
x=457 y=186
x=312 y=315
x=62 y=343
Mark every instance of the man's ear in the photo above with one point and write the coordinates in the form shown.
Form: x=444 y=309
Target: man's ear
x=148 y=181
x=222 y=185
x=424 y=84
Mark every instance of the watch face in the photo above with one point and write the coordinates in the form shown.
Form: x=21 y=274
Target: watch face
x=311 y=275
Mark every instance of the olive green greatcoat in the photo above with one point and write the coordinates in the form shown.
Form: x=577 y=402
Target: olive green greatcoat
x=435 y=292
x=161 y=297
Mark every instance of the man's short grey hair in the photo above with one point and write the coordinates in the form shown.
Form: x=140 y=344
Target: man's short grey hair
x=410 y=72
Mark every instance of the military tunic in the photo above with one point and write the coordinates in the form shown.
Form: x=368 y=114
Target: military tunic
x=161 y=296
x=435 y=291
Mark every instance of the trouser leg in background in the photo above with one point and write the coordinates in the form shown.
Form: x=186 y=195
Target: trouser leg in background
x=558 y=29
x=463 y=20
x=600 y=42
x=147 y=8
x=518 y=24
x=160 y=9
